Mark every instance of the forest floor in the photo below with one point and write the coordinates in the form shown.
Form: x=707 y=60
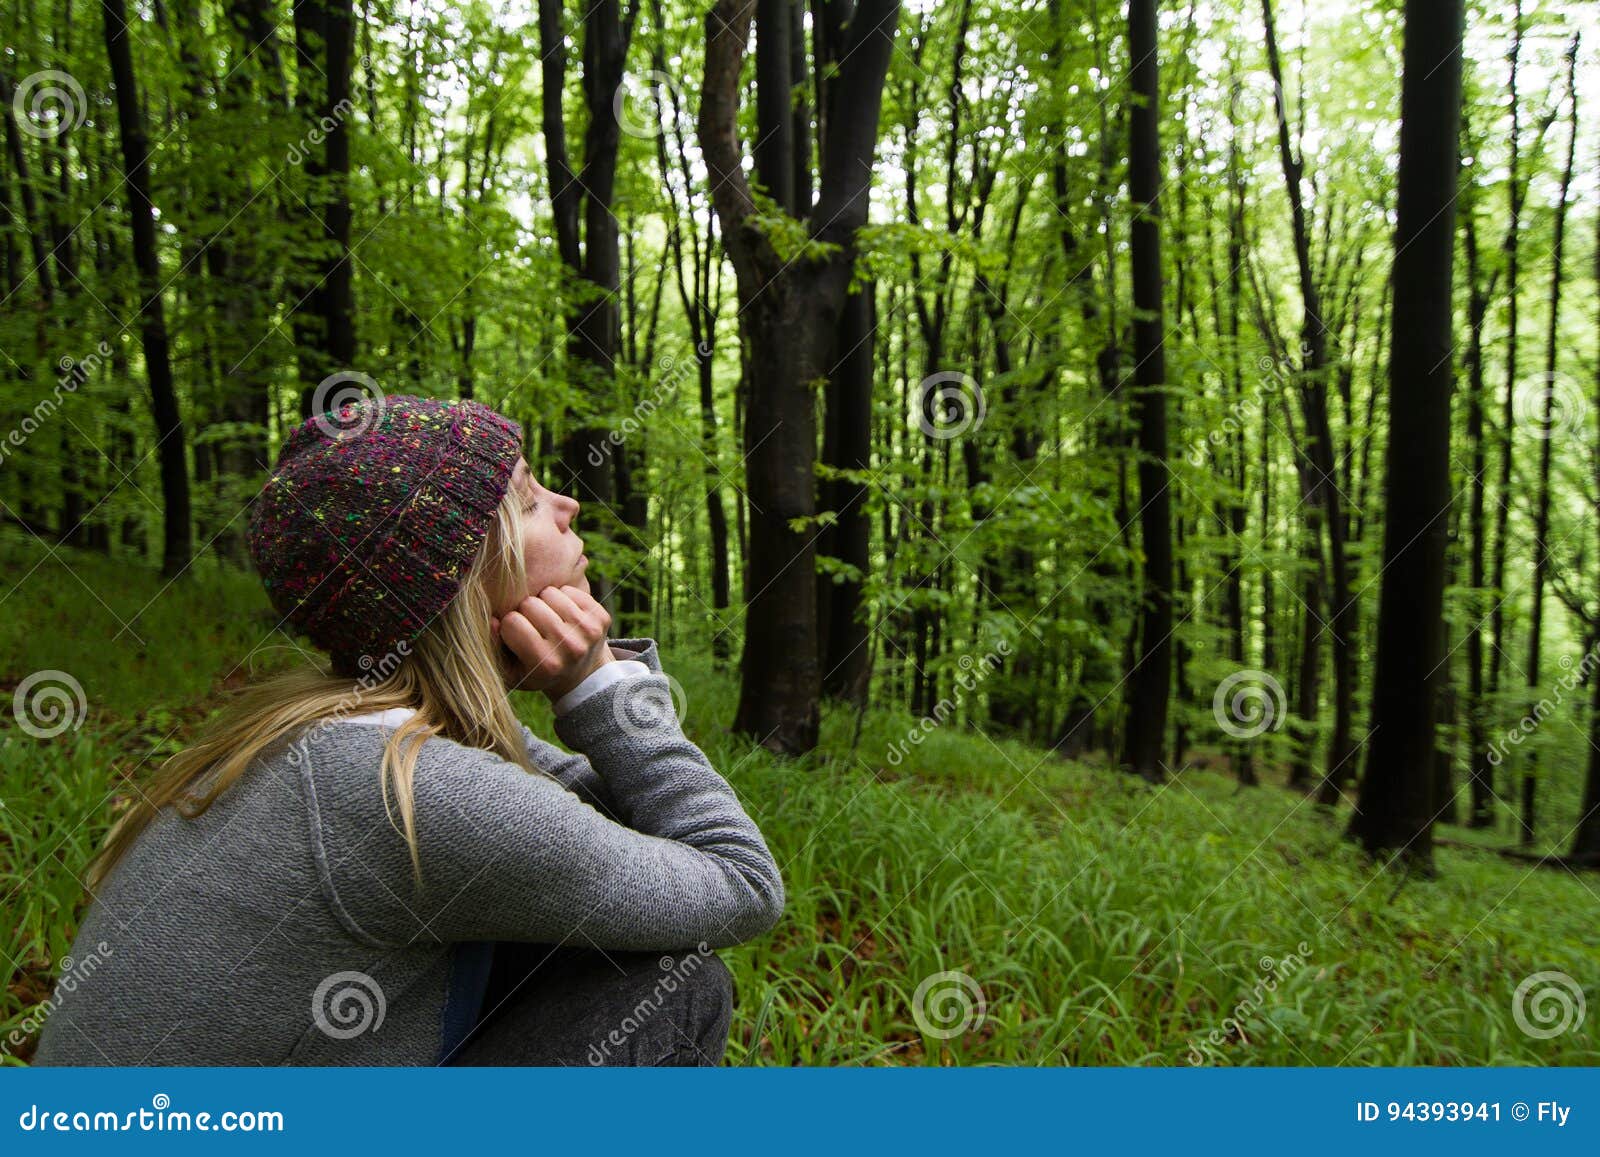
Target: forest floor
x=978 y=902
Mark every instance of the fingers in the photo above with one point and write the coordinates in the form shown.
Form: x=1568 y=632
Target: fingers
x=580 y=608
x=555 y=627
x=526 y=640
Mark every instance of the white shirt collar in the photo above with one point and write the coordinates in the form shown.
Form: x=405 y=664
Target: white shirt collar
x=393 y=717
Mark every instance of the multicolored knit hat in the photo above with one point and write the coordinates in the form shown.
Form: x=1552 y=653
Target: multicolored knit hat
x=373 y=515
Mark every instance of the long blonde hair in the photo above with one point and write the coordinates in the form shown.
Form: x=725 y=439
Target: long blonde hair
x=450 y=676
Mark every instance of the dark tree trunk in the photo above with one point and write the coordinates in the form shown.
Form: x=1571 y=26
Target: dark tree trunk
x=593 y=328
x=847 y=445
x=244 y=277
x=177 y=542
x=1586 y=840
x=1243 y=757
x=1395 y=809
x=774 y=145
x=1516 y=189
x=1145 y=738
x=1480 y=770
x=324 y=318
x=30 y=506
x=789 y=311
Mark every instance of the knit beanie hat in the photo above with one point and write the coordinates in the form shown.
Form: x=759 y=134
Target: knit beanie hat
x=373 y=515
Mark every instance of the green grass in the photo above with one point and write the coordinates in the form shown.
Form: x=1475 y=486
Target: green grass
x=1102 y=921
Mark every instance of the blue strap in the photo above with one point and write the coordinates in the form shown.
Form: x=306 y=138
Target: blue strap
x=470 y=961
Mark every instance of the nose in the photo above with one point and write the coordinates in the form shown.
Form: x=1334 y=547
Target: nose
x=566 y=507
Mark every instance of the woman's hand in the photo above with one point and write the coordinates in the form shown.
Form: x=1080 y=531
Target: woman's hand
x=555 y=640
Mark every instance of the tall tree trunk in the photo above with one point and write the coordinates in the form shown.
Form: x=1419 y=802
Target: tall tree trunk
x=324 y=320
x=593 y=329
x=1516 y=189
x=177 y=541
x=1480 y=770
x=244 y=272
x=789 y=310
x=1145 y=738
x=1396 y=805
x=1243 y=753
x=847 y=445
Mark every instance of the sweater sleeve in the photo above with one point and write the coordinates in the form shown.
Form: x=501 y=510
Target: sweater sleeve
x=511 y=856
x=576 y=771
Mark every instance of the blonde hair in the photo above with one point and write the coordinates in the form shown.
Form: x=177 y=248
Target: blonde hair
x=450 y=676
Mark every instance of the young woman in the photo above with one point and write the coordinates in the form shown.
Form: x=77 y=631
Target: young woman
x=260 y=904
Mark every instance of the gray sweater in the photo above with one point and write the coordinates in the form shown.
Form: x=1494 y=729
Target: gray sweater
x=277 y=926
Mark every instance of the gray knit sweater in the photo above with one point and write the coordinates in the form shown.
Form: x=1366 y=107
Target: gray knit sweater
x=270 y=927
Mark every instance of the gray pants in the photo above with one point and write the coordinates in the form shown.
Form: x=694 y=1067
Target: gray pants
x=547 y=1005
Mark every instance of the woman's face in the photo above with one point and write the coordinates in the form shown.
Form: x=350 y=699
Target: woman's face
x=552 y=549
